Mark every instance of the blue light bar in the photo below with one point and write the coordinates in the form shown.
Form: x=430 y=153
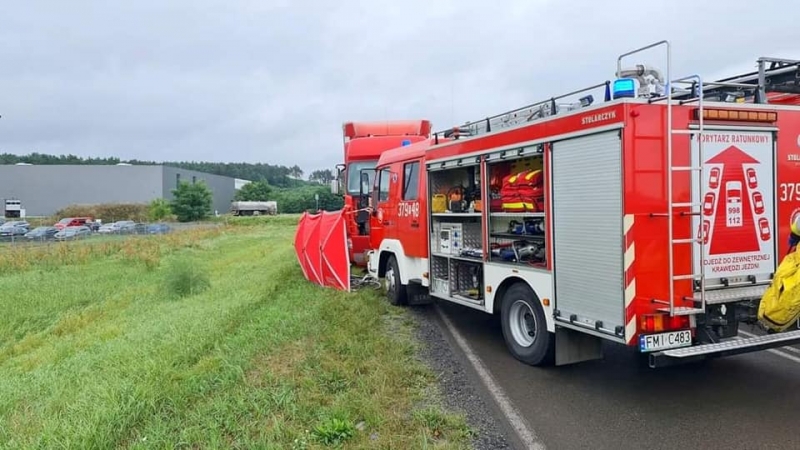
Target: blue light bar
x=624 y=87
x=405 y=142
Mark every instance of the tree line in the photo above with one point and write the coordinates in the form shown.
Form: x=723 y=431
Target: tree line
x=269 y=182
x=275 y=175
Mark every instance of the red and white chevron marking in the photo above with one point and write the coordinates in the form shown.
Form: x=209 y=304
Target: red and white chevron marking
x=630 y=277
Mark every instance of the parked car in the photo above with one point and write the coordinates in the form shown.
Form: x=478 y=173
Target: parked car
x=93 y=225
x=14 y=228
x=72 y=222
x=15 y=223
x=118 y=227
x=158 y=228
x=70 y=233
x=41 y=233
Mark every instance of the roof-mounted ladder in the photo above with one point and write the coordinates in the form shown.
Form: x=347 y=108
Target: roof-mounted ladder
x=525 y=114
x=773 y=75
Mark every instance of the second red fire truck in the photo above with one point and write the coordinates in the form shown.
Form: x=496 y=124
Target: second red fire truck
x=653 y=216
x=364 y=142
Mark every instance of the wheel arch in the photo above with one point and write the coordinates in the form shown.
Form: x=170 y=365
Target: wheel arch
x=383 y=261
x=407 y=266
x=501 y=291
x=507 y=283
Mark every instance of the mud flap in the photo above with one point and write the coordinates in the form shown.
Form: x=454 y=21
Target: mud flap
x=418 y=294
x=574 y=347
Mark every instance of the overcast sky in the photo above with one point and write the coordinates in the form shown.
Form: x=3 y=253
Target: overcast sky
x=272 y=80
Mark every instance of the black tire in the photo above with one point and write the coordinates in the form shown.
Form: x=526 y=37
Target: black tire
x=525 y=326
x=395 y=292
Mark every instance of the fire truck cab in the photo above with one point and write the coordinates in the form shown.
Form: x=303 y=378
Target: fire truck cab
x=586 y=221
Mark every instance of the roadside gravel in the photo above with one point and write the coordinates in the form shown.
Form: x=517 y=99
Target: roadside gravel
x=457 y=386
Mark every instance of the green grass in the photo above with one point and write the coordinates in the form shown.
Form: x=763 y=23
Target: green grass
x=217 y=342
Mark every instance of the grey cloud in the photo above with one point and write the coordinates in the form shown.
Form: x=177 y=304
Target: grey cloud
x=272 y=81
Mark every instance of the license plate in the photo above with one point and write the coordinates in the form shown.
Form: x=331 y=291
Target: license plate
x=673 y=339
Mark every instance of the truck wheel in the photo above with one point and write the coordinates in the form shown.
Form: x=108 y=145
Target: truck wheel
x=395 y=292
x=525 y=327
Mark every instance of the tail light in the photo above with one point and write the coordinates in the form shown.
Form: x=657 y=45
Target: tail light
x=655 y=323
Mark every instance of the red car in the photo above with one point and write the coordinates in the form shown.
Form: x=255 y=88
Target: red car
x=708 y=204
x=713 y=178
x=752 y=182
x=763 y=228
x=758 y=202
x=703 y=232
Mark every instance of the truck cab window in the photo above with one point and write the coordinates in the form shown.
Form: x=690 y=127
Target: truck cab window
x=354 y=175
x=383 y=187
x=411 y=180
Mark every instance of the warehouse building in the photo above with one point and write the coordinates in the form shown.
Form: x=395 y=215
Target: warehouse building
x=44 y=189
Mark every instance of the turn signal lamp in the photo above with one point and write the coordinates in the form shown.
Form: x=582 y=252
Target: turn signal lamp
x=740 y=115
x=624 y=88
x=654 y=323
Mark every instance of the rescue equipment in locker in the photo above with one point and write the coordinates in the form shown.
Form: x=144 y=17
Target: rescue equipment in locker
x=528 y=226
x=521 y=251
x=439 y=203
x=456 y=199
x=523 y=191
x=451 y=238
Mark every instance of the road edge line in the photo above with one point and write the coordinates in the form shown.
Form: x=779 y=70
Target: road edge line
x=525 y=433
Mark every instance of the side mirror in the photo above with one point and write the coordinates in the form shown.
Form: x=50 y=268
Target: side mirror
x=335 y=186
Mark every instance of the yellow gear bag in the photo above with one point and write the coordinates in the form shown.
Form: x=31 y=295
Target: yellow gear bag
x=780 y=305
x=439 y=203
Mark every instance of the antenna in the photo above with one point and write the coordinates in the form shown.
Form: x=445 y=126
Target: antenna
x=452 y=100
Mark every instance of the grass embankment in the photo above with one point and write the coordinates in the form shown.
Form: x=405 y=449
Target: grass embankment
x=208 y=338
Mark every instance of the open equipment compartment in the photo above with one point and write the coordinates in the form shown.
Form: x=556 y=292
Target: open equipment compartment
x=517 y=218
x=456 y=217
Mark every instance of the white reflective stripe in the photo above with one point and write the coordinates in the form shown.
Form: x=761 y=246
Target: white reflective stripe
x=630 y=293
x=630 y=254
x=627 y=222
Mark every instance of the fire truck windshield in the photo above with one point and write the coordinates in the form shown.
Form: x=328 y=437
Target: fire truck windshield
x=354 y=175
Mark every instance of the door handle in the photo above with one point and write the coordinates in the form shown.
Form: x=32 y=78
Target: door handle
x=414 y=224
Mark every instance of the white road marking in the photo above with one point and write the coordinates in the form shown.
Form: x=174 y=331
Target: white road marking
x=524 y=431
x=774 y=351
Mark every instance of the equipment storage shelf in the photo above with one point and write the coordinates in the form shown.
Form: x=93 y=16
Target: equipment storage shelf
x=456 y=244
x=456 y=219
x=517 y=220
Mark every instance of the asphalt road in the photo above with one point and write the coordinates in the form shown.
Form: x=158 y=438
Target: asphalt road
x=741 y=402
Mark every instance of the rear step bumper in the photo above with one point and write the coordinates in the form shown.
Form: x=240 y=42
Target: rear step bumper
x=727 y=348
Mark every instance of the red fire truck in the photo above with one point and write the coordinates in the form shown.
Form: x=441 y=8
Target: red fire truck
x=654 y=218
x=363 y=144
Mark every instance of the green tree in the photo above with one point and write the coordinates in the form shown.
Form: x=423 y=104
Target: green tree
x=192 y=201
x=321 y=176
x=257 y=191
x=158 y=209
